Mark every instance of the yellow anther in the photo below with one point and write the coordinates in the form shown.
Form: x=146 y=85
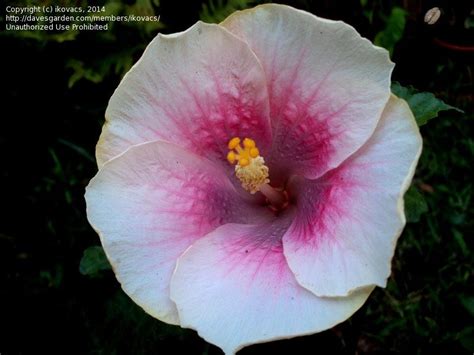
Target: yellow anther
x=234 y=142
x=240 y=150
x=253 y=152
x=231 y=157
x=243 y=162
x=249 y=143
x=250 y=168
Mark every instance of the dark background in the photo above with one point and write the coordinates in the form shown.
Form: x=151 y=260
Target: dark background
x=57 y=88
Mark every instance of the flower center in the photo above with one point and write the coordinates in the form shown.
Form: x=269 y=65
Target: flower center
x=252 y=172
x=250 y=168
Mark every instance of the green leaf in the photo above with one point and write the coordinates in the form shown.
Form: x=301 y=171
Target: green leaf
x=393 y=31
x=415 y=205
x=424 y=105
x=458 y=237
x=93 y=261
x=80 y=71
x=468 y=303
x=466 y=338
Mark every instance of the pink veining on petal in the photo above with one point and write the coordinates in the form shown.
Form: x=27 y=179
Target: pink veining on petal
x=327 y=85
x=149 y=205
x=304 y=141
x=206 y=88
x=182 y=239
x=234 y=286
x=259 y=248
x=348 y=220
x=321 y=205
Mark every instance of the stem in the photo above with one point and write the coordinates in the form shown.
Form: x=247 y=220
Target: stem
x=454 y=47
x=275 y=197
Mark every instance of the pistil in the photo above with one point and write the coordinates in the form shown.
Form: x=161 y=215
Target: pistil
x=252 y=172
x=276 y=198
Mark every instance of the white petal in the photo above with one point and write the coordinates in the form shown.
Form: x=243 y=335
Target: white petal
x=234 y=287
x=349 y=220
x=151 y=203
x=327 y=85
x=196 y=89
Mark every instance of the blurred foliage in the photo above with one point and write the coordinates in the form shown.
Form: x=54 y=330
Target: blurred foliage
x=94 y=261
x=415 y=205
x=424 y=105
x=433 y=263
x=57 y=88
x=118 y=59
x=214 y=11
x=393 y=31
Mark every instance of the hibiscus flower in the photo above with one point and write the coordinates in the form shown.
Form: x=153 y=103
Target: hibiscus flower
x=251 y=176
